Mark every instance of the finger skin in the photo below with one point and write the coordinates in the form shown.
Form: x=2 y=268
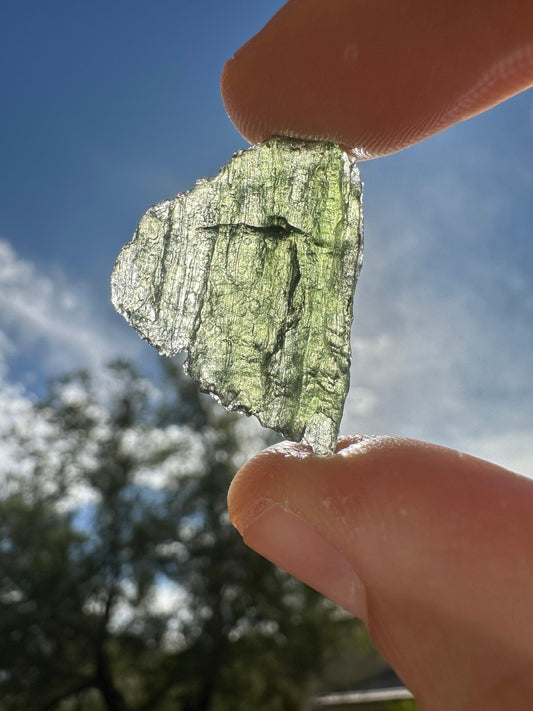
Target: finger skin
x=443 y=545
x=378 y=75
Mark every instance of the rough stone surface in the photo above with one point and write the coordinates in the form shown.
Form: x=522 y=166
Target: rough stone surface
x=253 y=273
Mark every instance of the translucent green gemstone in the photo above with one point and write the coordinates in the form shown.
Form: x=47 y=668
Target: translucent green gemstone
x=253 y=273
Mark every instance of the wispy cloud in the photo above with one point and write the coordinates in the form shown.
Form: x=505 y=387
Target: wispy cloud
x=48 y=326
x=442 y=337
x=46 y=318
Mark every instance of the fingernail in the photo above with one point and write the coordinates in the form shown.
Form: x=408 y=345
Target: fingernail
x=292 y=544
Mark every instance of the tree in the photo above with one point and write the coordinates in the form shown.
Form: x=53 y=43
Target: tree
x=123 y=585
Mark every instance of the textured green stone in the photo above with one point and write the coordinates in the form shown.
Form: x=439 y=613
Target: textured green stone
x=253 y=273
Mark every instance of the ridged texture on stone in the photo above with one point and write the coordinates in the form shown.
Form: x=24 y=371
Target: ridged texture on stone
x=253 y=273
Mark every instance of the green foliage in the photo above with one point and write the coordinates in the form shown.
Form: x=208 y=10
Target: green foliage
x=407 y=705
x=123 y=585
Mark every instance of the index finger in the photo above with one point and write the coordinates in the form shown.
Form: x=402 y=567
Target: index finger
x=378 y=75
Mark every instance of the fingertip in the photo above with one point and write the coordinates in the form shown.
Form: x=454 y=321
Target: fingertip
x=430 y=547
x=377 y=498
x=260 y=482
x=290 y=474
x=289 y=541
x=377 y=76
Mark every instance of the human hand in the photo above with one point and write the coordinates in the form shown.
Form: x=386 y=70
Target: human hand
x=378 y=75
x=431 y=548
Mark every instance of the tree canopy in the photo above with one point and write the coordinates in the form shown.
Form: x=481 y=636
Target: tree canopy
x=123 y=585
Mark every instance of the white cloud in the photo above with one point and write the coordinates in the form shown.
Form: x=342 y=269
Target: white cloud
x=44 y=314
x=48 y=326
x=15 y=407
x=436 y=355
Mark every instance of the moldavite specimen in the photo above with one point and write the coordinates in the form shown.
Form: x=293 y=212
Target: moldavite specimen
x=253 y=273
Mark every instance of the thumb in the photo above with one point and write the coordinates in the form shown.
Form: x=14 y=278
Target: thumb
x=433 y=549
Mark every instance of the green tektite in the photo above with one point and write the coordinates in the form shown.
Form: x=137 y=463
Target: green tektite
x=253 y=273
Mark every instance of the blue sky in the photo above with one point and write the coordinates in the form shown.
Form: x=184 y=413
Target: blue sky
x=108 y=108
